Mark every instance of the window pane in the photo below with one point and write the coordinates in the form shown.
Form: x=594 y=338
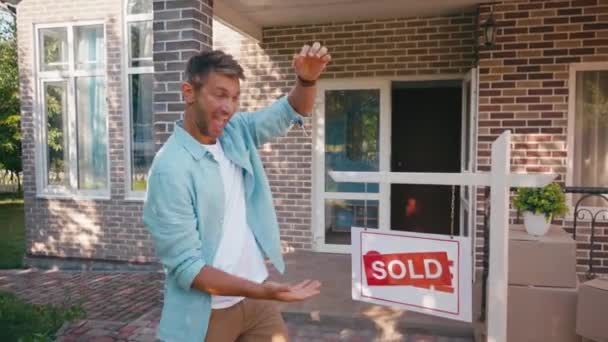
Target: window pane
x=341 y=215
x=53 y=49
x=142 y=129
x=140 y=43
x=89 y=47
x=92 y=133
x=591 y=131
x=352 y=123
x=139 y=6
x=56 y=133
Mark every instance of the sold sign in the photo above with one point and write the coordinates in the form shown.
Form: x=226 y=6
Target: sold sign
x=420 y=272
x=422 y=269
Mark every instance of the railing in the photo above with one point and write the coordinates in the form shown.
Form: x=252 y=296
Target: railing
x=9 y=182
x=581 y=212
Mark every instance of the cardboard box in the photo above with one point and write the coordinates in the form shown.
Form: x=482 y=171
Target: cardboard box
x=592 y=310
x=548 y=260
x=541 y=314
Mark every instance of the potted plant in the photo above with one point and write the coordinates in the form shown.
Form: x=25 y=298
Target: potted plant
x=539 y=206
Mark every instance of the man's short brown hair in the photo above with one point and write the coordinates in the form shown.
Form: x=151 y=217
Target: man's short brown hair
x=200 y=65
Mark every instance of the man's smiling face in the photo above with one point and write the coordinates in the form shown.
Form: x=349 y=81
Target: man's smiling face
x=214 y=103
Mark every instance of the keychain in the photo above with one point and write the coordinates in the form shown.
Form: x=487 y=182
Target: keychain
x=300 y=122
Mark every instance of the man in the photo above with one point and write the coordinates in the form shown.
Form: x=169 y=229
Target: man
x=209 y=208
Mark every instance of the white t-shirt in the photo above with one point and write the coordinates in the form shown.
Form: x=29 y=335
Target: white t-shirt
x=238 y=252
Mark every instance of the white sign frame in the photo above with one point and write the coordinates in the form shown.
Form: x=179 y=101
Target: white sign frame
x=499 y=180
x=456 y=306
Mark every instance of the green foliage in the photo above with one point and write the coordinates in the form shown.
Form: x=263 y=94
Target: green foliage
x=549 y=200
x=24 y=322
x=10 y=118
x=140 y=185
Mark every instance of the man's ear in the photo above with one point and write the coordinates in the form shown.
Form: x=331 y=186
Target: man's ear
x=188 y=92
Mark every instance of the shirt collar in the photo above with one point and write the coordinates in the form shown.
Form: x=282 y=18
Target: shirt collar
x=196 y=149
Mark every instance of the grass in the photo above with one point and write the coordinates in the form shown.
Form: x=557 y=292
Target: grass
x=23 y=322
x=12 y=231
x=20 y=321
x=140 y=185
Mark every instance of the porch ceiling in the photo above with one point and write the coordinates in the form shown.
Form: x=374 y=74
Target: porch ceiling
x=250 y=16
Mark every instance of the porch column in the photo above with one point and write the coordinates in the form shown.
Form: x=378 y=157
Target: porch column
x=182 y=28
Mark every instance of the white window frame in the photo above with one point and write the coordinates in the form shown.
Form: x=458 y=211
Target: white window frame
x=319 y=194
x=128 y=70
x=574 y=68
x=70 y=75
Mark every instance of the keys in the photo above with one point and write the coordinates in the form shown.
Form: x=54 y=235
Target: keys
x=300 y=122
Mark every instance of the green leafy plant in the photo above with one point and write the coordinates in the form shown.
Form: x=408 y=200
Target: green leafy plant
x=24 y=322
x=549 y=200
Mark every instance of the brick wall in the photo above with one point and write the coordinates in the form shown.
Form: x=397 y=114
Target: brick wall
x=524 y=87
x=181 y=29
x=383 y=48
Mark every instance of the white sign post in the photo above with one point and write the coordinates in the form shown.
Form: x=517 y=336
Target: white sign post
x=499 y=180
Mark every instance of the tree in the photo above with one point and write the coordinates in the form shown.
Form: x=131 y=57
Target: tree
x=10 y=118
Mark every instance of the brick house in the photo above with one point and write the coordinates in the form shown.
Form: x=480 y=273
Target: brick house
x=412 y=87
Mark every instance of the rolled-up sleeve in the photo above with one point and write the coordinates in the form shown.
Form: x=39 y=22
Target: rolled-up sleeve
x=169 y=216
x=271 y=121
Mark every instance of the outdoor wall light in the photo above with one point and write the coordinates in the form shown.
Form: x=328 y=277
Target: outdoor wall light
x=489 y=30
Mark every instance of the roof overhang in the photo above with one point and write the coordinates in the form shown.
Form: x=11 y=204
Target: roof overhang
x=251 y=16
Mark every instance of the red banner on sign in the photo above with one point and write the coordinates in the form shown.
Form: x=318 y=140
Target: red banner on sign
x=423 y=269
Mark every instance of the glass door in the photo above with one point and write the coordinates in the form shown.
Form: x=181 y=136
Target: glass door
x=348 y=137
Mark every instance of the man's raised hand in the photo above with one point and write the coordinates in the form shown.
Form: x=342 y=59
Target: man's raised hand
x=311 y=61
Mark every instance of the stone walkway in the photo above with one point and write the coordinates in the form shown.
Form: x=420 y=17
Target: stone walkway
x=125 y=306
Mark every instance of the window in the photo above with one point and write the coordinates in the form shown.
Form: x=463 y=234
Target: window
x=589 y=124
x=74 y=123
x=139 y=98
x=352 y=138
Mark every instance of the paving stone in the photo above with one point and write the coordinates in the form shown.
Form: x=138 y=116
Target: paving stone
x=103 y=339
x=126 y=307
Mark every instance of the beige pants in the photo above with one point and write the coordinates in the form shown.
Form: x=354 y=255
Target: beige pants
x=248 y=321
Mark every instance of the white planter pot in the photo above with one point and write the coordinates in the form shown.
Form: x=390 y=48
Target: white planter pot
x=536 y=224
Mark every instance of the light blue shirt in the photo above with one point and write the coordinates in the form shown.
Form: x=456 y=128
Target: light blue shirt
x=184 y=211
